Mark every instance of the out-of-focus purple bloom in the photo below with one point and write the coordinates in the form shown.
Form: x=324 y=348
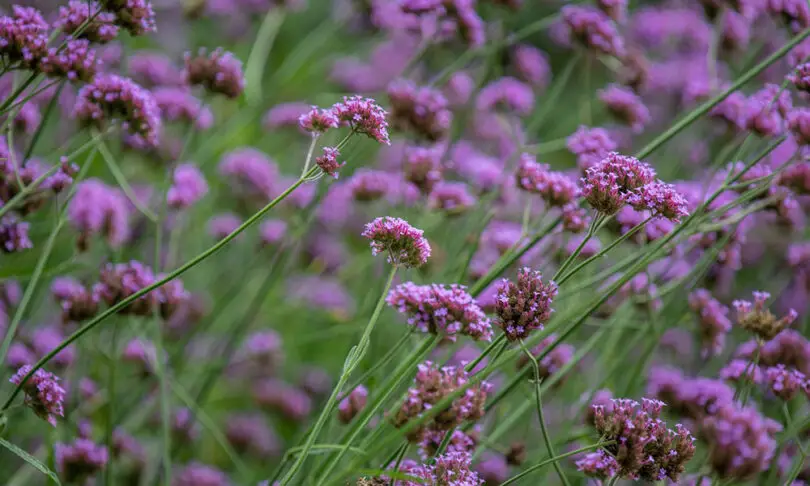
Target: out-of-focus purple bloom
x=218 y=72
x=757 y=318
x=188 y=186
x=79 y=461
x=152 y=69
x=273 y=231
x=738 y=370
x=353 y=404
x=766 y=110
x=250 y=434
x=593 y=29
x=423 y=110
x=731 y=110
x=177 y=104
x=693 y=398
x=136 y=16
x=796 y=177
x=713 y=321
x=785 y=382
x=799 y=125
x=364 y=116
x=404 y=244
x=197 y=474
x=800 y=77
x=322 y=293
x=615 y=9
x=556 y=188
x=662 y=199
x=111 y=97
x=574 y=218
x=795 y=13
x=443 y=310
x=121 y=280
x=509 y=93
x=14 y=235
x=48 y=338
x=590 y=145
x=221 y=225
x=328 y=162
x=532 y=65
x=291 y=402
x=142 y=353
x=453 y=198
x=76 y=61
x=789 y=348
x=316 y=381
x=253 y=172
x=599 y=464
x=459 y=88
x=43 y=394
x=101 y=29
x=422 y=166
x=626 y=106
x=284 y=115
x=99 y=209
x=525 y=305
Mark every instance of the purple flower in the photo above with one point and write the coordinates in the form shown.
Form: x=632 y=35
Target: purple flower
x=731 y=110
x=422 y=166
x=291 y=402
x=626 y=106
x=599 y=464
x=404 y=244
x=46 y=339
x=197 y=474
x=353 y=404
x=532 y=65
x=43 y=394
x=795 y=13
x=738 y=370
x=785 y=382
x=611 y=183
x=662 y=199
x=766 y=110
x=263 y=348
x=796 y=177
x=441 y=309
x=524 y=306
x=789 y=348
x=509 y=93
x=554 y=360
x=322 y=293
x=369 y=185
x=254 y=173
x=24 y=36
x=218 y=72
x=593 y=29
x=284 y=114
x=328 y=162
x=590 y=145
x=800 y=77
x=423 y=110
x=188 y=186
x=453 y=198
x=152 y=69
x=364 y=116
x=557 y=189
x=459 y=442
x=757 y=318
x=615 y=9
x=101 y=29
x=78 y=303
x=250 y=434
x=221 y=225
x=75 y=62
x=493 y=468
x=142 y=353
x=79 y=461
x=99 y=209
x=136 y=16
x=799 y=125
x=713 y=321
x=14 y=235
x=118 y=281
x=693 y=398
x=317 y=121
x=273 y=231
x=177 y=104
x=111 y=97
x=459 y=88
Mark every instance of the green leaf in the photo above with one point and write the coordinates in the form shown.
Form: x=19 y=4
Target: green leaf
x=33 y=461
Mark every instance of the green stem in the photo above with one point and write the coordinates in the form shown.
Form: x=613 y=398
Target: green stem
x=260 y=52
x=119 y=177
x=40 y=128
x=552 y=460
x=108 y=471
x=596 y=223
x=168 y=278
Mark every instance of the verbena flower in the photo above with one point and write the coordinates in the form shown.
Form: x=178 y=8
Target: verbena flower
x=196 y=474
x=290 y=401
x=110 y=97
x=532 y=65
x=317 y=120
x=188 y=186
x=453 y=198
x=441 y=309
x=738 y=371
x=626 y=106
x=404 y=244
x=757 y=318
x=767 y=109
x=101 y=29
x=217 y=71
x=273 y=231
x=693 y=398
x=284 y=115
x=353 y=404
x=24 y=36
x=221 y=225
x=423 y=110
x=459 y=442
x=250 y=434
x=615 y=9
x=99 y=209
x=593 y=29
x=14 y=235
x=590 y=145
x=43 y=394
x=328 y=162
x=252 y=171
x=177 y=104
x=800 y=77
x=556 y=188
x=799 y=125
x=136 y=16
x=507 y=93
x=142 y=353
x=713 y=321
x=524 y=306
x=615 y=181
x=364 y=116
x=599 y=465
x=80 y=460
x=785 y=382
x=662 y=199
x=153 y=69
x=118 y=281
x=78 y=302
x=422 y=166
x=75 y=62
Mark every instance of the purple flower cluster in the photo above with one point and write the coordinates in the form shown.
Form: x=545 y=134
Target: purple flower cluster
x=508 y=93
x=599 y=465
x=767 y=109
x=43 y=394
x=317 y=120
x=79 y=461
x=120 y=281
x=75 y=62
x=786 y=382
x=78 y=303
x=136 y=16
x=590 y=145
x=593 y=29
x=713 y=321
x=290 y=401
x=188 y=186
x=97 y=208
x=440 y=309
x=422 y=167
x=252 y=171
x=757 y=318
x=364 y=116
x=532 y=65
x=626 y=106
x=14 y=235
x=97 y=26
x=422 y=109
x=328 y=162
x=217 y=71
x=353 y=404
x=439 y=21
x=23 y=36
x=525 y=305
x=453 y=198
x=693 y=398
x=404 y=244
x=555 y=188
x=197 y=474
x=152 y=69
x=250 y=434
x=111 y=97
x=177 y=104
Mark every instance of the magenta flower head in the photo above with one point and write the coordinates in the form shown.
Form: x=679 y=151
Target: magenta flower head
x=197 y=474
x=179 y=105
x=353 y=404
x=136 y=16
x=218 y=72
x=525 y=305
x=626 y=106
x=221 y=225
x=662 y=200
x=453 y=198
x=614 y=181
x=593 y=29
x=767 y=109
x=445 y=310
x=599 y=465
x=121 y=280
x=508 y=93
x=532 y=65
x=364 y=116
x=24 y=36
x=317 y=121
x=799 y=125
x=273 y=231
x=152 y=69
x=79 y=461
x=328 y=162
x=76 y=62
x=423 y=110
x=757 y=318
x=801 y=77
x=43 y=394
x=250 y=434
x=78 y=303
x=406 y=246
x=111 y=97
x=293 y=403
x=188 y=186
x=785 y=382
x=285 y=115
x=423 y=166
x=99 y=29
x=253 y=173
x=713 y=321
x=590 y=145
x=14 y=235
x=97 y=208
x=557 y=189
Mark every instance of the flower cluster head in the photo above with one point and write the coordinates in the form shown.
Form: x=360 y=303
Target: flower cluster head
x=766 y=110
x=445 y=310
x=557 y=189
x=532 y=65
x=405 y=245
x=119 y=281
x=79 y=461
x=453 y=468
x=741 y=441
x=738 y=371
x=252 y=171
x=188 y=186
x=599 y=465
x=317 y=121
x=793 y=13
x=507 y=93
x=800 y=77
x=75 y=62
x=364 y=116
x=293 y=403
x=217 y=71
x=459 y=442
x=796 y=177
x=525 y=305
x=645 y=448
x=713 y=321
x=593 y=29
x=353 y=404
x=431 y=385
x=97 y=208
x=662 y=199
x=799 y=125
x=422 y=109
x=625 y=105
x=553 y=361
x=152 y=70
x=590 y=145
x=453 y=198
x=43 y=394
x=785 y=382
x=14 y=235
x=250 y=434
x=136 y=16
x=78 y=14
x=78 y=302
x=23 y=36
x=693 y=398
x=196 y=474
x=110 y=97
x=438 y=21
x=618 y=180
x=423 y=166
x=178 y=104
x=328 y=162
x=757 y=318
